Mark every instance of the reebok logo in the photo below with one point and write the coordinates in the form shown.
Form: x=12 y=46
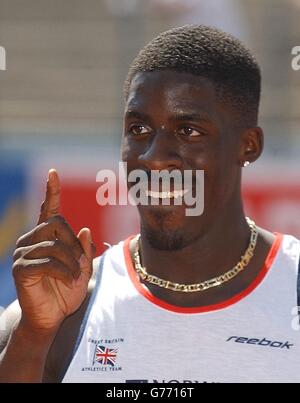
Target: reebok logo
x=261 y=342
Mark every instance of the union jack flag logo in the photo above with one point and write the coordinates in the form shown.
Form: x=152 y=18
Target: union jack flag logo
x=106 y=356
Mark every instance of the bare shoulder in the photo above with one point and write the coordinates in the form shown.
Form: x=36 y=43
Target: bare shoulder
x=61 y=351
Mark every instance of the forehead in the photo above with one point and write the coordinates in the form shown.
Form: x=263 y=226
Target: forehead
x=170 y=89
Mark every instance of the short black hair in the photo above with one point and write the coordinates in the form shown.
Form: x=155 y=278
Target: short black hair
x=210 y=53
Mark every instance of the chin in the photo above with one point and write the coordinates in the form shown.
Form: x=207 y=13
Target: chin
x=164 y=230
x=168 y=229
x=164 y=239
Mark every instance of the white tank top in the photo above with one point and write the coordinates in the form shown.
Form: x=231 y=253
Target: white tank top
x=128 y=335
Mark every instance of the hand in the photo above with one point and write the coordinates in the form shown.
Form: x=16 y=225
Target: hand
x=52 y=266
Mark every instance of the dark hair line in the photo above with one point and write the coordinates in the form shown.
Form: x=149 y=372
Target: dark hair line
x=211 y=53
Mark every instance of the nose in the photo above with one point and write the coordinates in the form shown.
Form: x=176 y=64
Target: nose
x=161 y=153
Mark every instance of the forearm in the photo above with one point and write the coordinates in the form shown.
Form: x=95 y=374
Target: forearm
x=23 y=359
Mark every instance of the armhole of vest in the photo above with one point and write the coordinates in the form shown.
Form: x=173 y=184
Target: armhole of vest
x=89 y=307
x=298 y=285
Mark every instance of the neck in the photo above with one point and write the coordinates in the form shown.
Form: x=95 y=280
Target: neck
x=213 y=253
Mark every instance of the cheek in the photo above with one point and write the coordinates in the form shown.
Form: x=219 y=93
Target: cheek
x=221 y=182
x=202 y=157
x=212 y=161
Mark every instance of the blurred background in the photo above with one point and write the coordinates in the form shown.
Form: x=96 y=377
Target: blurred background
x=61 y=106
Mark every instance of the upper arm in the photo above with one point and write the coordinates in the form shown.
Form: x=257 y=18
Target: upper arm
x=8 y=320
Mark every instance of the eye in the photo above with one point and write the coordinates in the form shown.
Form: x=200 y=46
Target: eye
x=190 y=132
x=138 y=130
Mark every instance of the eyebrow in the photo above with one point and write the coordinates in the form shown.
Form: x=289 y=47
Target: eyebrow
x=180 y=117
x=136 y=115
x=194 y=116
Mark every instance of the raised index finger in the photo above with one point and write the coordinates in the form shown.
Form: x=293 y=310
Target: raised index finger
x=51 y=205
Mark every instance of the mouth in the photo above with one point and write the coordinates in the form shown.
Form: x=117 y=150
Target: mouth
x=175 y=194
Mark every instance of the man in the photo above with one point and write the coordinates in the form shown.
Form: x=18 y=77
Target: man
x=204 y=298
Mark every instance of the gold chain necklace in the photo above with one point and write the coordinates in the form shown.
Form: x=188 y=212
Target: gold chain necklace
x=213 y=282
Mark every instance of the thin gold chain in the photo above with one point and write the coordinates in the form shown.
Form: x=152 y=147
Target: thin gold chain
x=213 y=282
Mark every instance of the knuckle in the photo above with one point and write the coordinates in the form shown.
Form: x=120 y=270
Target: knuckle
x=22 y=240
x=26 y=239
x=18 y=242
x=17 y=267
x=17 y=254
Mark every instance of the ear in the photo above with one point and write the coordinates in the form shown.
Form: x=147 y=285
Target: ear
x=252 y=144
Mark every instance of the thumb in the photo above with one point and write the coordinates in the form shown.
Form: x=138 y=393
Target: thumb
x=86 y=260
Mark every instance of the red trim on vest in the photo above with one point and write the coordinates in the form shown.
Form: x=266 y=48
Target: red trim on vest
x=208 y=308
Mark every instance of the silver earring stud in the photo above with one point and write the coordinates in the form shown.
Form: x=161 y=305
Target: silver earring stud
x=246 y=163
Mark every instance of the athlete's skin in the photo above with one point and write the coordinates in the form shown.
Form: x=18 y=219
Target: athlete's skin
x=171 y=121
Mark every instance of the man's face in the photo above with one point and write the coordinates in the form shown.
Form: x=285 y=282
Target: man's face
x=174 y=121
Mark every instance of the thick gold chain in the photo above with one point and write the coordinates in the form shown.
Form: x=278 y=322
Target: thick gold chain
x=213 y=282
